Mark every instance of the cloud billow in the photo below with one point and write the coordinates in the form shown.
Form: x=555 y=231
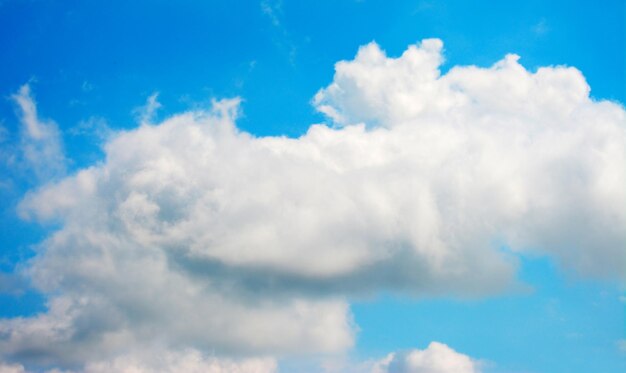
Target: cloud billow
x=436 y=358
x=194 y=234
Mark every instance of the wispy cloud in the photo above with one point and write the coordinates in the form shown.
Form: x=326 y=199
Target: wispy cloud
x=145 y=114
x=92 y=127
x=541 y=28
x=273 y=9
x=41 y=142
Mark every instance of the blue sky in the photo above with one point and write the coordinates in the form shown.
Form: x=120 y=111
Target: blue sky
x=92 y=66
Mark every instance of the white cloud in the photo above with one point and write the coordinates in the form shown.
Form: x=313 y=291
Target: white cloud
x=41 y=143
x=189 y=361
x=145 y=114
x=11 y=368
x=93 y=126
x=193 y=234
x=273 y=10
x=526 y=159
x=541 y=28
x=436 y=358
x=87 y=86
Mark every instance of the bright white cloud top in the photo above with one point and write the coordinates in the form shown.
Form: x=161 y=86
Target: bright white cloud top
x=194 y=235
x=437 y=358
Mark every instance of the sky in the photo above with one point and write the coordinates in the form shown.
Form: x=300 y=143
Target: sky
x=312 y=186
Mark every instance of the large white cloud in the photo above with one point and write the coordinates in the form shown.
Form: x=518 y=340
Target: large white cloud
x=193 y=234
x=436 y=358
x=525 y=159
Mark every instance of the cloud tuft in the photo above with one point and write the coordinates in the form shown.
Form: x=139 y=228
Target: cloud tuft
x=436 y=358
x=41 y=142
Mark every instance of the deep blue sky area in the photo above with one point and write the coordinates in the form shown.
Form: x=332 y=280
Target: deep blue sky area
x=101 y=60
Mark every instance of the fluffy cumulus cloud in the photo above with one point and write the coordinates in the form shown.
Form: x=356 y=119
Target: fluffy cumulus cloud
x=505 y=155
x=437 y=358
x=194 y=235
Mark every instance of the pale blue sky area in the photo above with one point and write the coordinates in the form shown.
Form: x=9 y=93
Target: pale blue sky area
x=100 y=60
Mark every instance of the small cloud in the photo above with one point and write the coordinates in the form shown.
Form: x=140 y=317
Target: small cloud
x=145 y=114
x=621 y=345
x=436 y=358
x=11 y=368
x=272 y=9
x=75 y=102
x=541 y=28
x=93 y=126
x=86 y=86
x=41 y=143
